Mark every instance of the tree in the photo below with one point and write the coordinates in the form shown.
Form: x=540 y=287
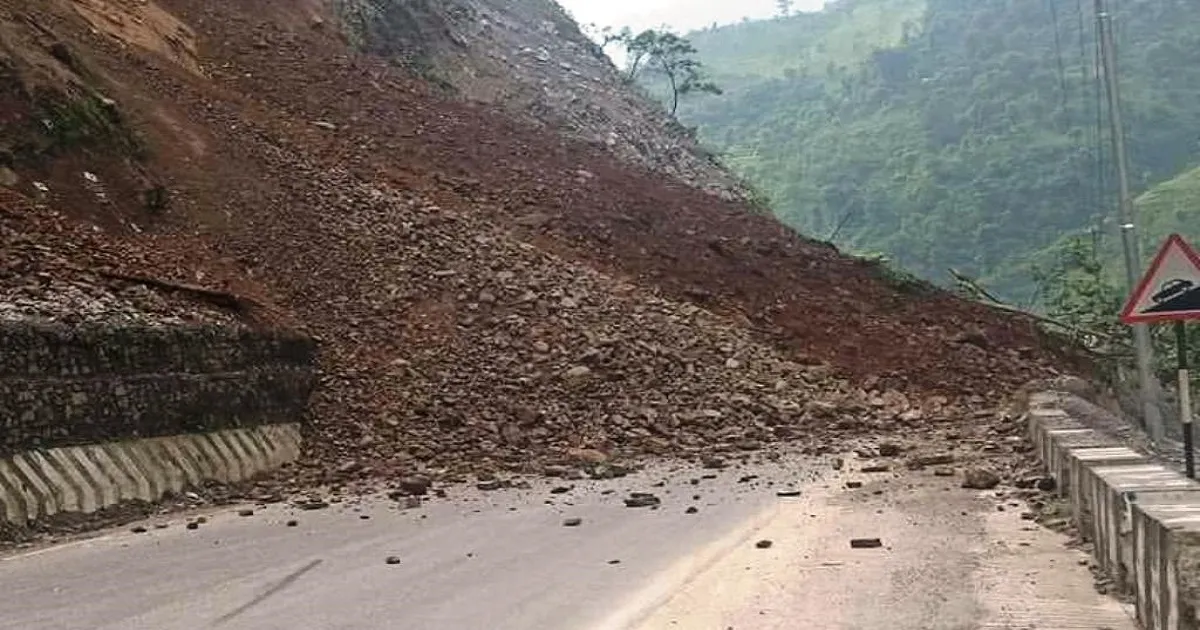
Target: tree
x=672 y=56
x=675 y=58
x=609 y=36
x=639 y=49
x=1075 y=289
x=785 y=7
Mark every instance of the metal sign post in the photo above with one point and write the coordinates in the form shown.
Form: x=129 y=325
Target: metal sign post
x=1170 y=292
x=1185 y=398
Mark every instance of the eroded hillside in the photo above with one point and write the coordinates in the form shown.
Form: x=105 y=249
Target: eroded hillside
x=529 y=59
x=488 y=293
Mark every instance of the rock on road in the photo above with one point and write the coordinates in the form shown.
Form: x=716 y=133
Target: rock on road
x=509 y=559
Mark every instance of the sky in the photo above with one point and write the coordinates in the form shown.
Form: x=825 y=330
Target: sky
x=681 y=15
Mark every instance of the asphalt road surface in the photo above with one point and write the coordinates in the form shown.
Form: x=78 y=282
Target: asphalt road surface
x=950 y=559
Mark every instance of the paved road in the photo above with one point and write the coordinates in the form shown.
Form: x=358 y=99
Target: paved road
x=950 y=560
x=503 y=560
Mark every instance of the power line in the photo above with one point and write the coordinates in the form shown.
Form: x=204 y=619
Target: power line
x=1101 y=145
x=1058 y=55
x=1088 y=141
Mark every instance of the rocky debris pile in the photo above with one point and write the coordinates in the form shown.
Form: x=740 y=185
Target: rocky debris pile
x=577 y=201
x=456 y=349
x=985 y=448
x=453 y=347
x=530 y=58
x=491 y=297
x=270 y=79
x=56 y=269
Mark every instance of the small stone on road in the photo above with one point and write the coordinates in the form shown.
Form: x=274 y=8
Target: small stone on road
x=642 y=499
x=415 y=484
x=980 y=479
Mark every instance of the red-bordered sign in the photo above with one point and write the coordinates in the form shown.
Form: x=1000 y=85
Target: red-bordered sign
x=1170 y=290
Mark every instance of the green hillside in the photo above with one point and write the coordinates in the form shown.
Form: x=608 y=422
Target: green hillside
x=949 y=133
x=1167 y=208
x=1082 y=276
x=843 y=35
x=1172 y=206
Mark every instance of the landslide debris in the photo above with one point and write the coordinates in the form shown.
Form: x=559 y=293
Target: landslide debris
x=576 y=200
x=530 y=59
x=56 y=269
x=492 y=297
x=453 y=347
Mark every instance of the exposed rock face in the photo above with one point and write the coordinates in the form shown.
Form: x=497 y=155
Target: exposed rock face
x=531 y=59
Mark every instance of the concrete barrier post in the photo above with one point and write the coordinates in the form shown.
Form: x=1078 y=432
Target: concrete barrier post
x=1115 y=489
x=1082 y=484
x=1060 y=443
x=1167 y=542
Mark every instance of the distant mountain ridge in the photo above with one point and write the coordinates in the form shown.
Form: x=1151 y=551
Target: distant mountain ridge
x=948 y=133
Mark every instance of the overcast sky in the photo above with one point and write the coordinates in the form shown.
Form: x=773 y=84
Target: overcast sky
x=682 y=15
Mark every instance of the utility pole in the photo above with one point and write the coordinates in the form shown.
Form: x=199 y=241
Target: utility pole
x=1128 y=220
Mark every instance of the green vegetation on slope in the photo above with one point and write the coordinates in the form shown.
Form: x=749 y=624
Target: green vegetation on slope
x=953 y=137
x=1081 y=278
x=1167 y=208
x=846 y=34
x=1172 y=206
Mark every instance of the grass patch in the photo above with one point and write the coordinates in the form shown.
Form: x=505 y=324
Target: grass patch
x=90 y=121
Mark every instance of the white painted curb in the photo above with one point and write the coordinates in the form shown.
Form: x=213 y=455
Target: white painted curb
x=1143 y=518
x=87 y=478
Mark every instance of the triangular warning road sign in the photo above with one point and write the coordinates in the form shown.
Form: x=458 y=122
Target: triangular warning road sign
x=1170 y=290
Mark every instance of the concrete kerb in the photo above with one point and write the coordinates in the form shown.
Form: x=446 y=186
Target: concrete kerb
x=1063 y=444
x=1044 y=420
x=1166 y=533
x=1081 y=461
x=87 y=478
x=1144 y=518
x=1114 y=490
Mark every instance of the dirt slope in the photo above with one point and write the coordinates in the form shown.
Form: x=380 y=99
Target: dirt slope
x=488 y=294
x=57 y=269
x=529 y=59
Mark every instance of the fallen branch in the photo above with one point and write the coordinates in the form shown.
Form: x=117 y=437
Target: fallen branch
x=972 y=285
x=218 y=298
x=1047 y=320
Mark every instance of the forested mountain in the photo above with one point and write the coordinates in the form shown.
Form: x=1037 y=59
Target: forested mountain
x=952 y=133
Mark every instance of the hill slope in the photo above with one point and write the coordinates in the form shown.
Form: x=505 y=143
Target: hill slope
x=1172 y=206
x=952 y=138
x=846 y=34
x=488 y=294
x=528 y=58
